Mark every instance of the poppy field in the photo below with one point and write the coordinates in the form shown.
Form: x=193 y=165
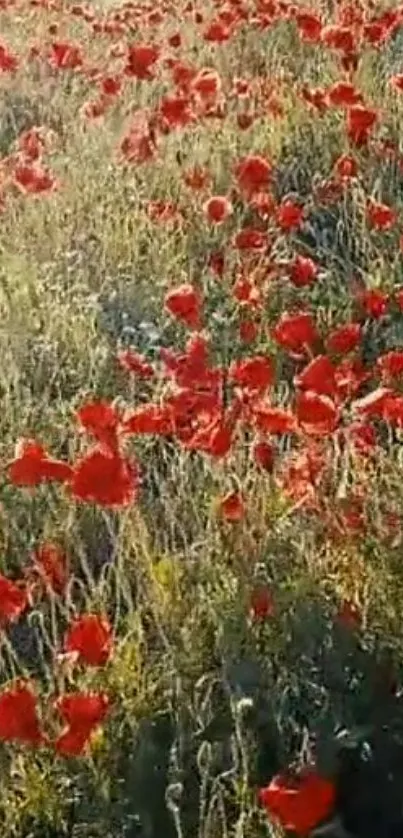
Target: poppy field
x=201 y=423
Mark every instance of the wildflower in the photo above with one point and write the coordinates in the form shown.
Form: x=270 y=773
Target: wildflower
x=90 y=636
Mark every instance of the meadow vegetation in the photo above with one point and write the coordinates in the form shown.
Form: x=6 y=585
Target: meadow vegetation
x=201 y=412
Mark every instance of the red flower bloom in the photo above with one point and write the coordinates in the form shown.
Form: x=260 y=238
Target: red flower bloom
x=33 y=179
x=149 y=419
x=253 y=174
x=301 y=804
x=303 y=271
x=360 y=122
x=255 y=373
x=105 y=479
x=316 y=413
x=65 y=56
x=8 y=61
x=18 y=715
x=273 y=420
x=264 y=455
x=32 y=465
x=380 y=216
x=289 y=215
x=176 y=111
x=344 y=338
x=51 y=563
x=309 y=26
x=295 y=332
x=83 y=713
x=390 y=365
x=319 y=376
x=140 y=61
x=90 y=636
x=261 y=603
x=250 y=239
x=217 y=33
x=184 y=303
x=101 y=419
x=232 y=507
x=13 y=601
x=217 y=209
x=343 y=94
x=374 y=302
x=345 y=167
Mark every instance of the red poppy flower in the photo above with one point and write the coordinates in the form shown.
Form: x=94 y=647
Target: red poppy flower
x=8 y=61
x=319 y=376
x=264 y=455
x=303 y=271
x=232 y=507
x=101 y=419
x=380 y=216
x=246 y=292
x=360 y=122
x=215 y=439
x=105 y=479
x=255 y=373
x=83 y=713
x=344 y=94
x=339 y=38
x=135 y=363
x=374 y=302
x=19 y=720
x=33 y=179
x=184 y=303
x=250 y=239
x=65 y=56
x=50 y=562
x=91 y=637
x=299 y=805
x=345 y=167
x=141 y=59
x=217 y=209
x=32 y=465
x=261 y=604
x=217 y=33
x=289 y=215
x=253 y=174
x=31 y=143
x=273 y=420
x=176 y=111
x=373 y=405
x=309 y=26
x=295 y=332
x=206 y=84
x=316 y=413
x=149 y=419
x=344 y=339
x=111 y=85
x=13 y=600
x=390 y=365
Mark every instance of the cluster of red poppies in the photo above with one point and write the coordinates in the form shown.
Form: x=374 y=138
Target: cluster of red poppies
x=336 y=403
